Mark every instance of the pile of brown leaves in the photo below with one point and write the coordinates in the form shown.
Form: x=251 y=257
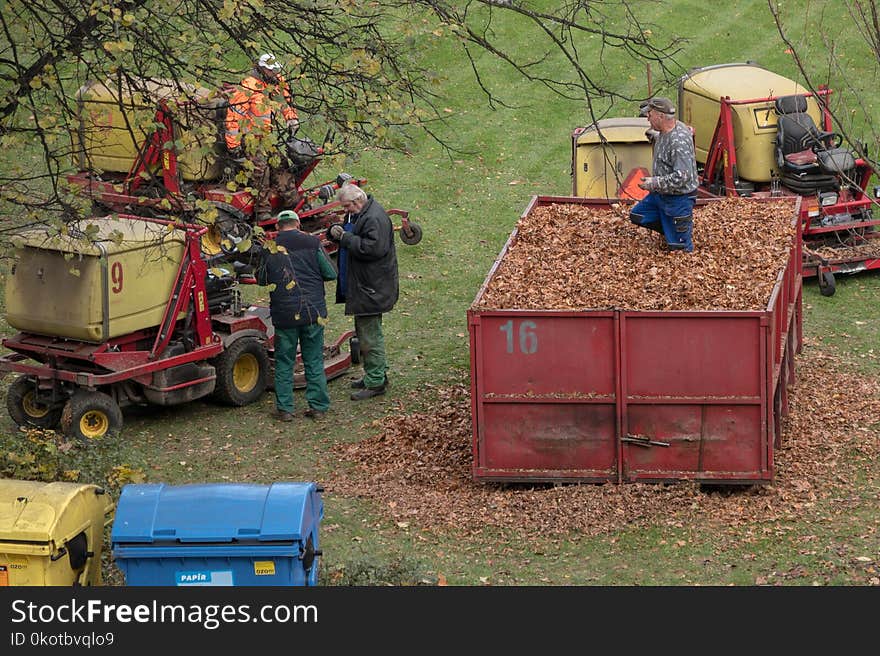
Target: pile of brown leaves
x=418 y=469
x=570 y=256
x=868 y=249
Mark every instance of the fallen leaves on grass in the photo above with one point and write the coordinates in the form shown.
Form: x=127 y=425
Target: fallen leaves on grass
x=418 y=468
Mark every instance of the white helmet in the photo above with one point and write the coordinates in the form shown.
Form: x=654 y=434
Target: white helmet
x=268 y=61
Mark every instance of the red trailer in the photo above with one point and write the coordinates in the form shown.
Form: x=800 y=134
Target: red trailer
x=561 y=395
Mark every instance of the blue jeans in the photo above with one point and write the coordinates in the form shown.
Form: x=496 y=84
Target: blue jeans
x=672 y=216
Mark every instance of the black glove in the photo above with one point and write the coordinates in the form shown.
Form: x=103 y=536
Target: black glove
x=237 y=154
x=335 y=232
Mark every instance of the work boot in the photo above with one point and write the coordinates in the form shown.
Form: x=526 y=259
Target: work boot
x=317 y=415
x=282 y=415
x=368 y=393
x=359 y=383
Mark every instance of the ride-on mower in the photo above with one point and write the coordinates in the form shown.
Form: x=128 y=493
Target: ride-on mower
x=756 y=134
x=123 y=310
x=158 y=151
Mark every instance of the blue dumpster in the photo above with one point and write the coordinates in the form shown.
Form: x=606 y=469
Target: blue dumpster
x=218 y=534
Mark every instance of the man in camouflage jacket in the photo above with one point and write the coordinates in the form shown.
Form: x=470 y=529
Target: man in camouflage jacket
x=669 y=206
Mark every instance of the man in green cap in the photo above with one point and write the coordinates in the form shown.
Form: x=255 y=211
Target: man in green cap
x=297 y=268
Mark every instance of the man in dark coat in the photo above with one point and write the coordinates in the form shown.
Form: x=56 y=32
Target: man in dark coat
x=296 y=268
x=371 y=285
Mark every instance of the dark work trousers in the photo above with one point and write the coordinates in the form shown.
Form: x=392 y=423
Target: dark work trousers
x=311 y=342
x=372 y=347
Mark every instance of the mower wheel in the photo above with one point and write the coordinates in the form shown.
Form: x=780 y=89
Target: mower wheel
x=26 y=410
x=354 y=347
x=411 y=235
x=91 y=416
x=827 y=284
x=242 y=372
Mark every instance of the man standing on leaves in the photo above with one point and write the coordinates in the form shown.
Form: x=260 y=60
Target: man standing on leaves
x=296 y=267
x=669 y=206
x=371 y=285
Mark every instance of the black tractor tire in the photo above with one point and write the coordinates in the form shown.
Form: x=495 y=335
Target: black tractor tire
x=242 y=372
x=354 y=347
x=414 y=236
x=89 y=416
x=827 y=283
x=25 y=410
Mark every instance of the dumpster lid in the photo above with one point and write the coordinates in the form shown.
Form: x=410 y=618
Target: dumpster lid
x=115 y=236
x=738 y=82
x=628 y=129
x=216 y=512
x=31 y=511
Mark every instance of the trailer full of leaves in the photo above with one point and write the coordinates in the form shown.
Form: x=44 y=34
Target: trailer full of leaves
x=597 y=355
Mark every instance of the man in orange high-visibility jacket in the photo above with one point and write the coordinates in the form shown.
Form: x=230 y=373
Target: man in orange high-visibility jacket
x=252 y=105
x=260 y=98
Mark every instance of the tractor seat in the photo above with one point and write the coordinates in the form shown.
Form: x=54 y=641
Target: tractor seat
x=810 y=160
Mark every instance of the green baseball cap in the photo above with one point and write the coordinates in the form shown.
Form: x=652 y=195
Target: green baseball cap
x=287 y=216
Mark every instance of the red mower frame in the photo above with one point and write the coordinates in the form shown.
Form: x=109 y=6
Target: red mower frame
x=315 y=205
x=848 y=217
x=82 y=386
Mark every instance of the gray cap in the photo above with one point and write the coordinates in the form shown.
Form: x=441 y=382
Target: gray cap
x=659 y=104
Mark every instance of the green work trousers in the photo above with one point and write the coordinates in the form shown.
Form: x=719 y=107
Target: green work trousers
x=311 y=344
x=372 y=346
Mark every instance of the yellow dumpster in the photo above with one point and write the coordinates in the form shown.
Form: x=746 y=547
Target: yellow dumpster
x=51 y=533
x=115 y=284
x=604 y=153
x=114 y=121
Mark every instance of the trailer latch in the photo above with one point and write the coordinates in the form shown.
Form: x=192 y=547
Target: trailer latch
x=642 y=440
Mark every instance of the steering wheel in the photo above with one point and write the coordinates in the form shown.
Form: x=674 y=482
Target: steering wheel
x=836 y=140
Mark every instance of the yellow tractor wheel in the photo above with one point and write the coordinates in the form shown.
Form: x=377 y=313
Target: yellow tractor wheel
x=89 y=416
x=242 y=372
x=27 y=409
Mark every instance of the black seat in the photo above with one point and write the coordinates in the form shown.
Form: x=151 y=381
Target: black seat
x=810 y=160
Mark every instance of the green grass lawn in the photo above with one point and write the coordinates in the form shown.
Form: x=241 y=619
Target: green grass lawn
x=467 y=202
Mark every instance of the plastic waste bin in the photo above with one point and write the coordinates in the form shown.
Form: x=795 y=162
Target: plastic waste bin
x=223 y=534
x=51 y=533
